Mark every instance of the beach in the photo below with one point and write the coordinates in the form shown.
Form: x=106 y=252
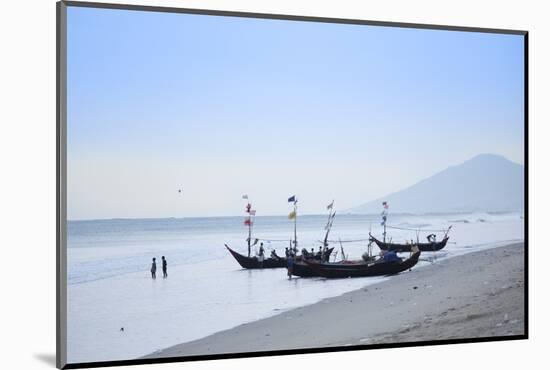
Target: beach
x=475 y=295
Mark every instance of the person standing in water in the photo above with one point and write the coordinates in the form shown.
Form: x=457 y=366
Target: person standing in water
x=261 y=255
x=164 y=267
x=289 y=265
x=154 y=268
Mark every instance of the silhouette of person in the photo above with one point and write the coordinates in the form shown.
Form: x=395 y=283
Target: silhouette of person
x=154 y=269
x=164 y=267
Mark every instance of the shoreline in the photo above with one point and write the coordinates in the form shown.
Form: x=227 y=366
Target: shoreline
x=479 y=294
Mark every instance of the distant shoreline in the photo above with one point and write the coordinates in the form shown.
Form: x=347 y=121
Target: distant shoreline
x=285 y=215
x=479 y=294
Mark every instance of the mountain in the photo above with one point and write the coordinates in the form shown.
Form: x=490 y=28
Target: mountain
x=486 y=182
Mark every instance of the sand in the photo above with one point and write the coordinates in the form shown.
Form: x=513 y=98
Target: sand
x=476 y=295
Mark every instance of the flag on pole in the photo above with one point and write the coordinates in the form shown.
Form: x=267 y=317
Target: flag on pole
x=292 y=215
x=385 y=210
x=252 y=212
x=330 y=205
x=292 y=199
x=248 y=221
x=384 y=213
x=245 y=196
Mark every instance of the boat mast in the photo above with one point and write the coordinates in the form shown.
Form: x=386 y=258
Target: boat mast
x=329 y=222
x=328 y=227
x=249 y=234
x=248 y=222
x=384 y=217
x=295 y=217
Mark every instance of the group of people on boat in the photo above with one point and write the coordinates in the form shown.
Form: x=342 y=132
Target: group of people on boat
x=164 y=268
x=291 y=255
x=322 y=254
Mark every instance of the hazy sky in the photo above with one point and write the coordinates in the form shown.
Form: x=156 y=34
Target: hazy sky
x=223 y=107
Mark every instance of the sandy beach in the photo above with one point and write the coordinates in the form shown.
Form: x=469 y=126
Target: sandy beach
x=480 y=294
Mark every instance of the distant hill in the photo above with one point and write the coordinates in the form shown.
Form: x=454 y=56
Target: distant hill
x=486 y=182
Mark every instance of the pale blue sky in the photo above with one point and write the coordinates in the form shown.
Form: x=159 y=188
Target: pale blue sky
x=223 y=106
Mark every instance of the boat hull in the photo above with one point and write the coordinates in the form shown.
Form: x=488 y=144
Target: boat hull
x=360 y=269
x=254 y=263
x=424 y=247
x=302 y=269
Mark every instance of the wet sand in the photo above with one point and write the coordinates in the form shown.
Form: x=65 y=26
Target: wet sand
x=480 y=294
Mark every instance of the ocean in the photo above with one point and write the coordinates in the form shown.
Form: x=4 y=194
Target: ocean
x=110 y=286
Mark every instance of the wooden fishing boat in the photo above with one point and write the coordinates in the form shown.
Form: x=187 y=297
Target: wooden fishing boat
x=431 y=246
x=424 y=247
x=274 y=261
x=251 y=261
x=361 y=268
x=271 y=262
x=255 y=263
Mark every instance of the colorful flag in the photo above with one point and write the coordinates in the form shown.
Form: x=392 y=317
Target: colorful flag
x=292 y=199
x=245 y=196
x=384 y=213
x=252 y=212
x=248 y=221
x=330 y=205
x=292 y=215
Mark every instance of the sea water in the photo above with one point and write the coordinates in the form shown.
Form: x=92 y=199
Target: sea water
x=116 y=311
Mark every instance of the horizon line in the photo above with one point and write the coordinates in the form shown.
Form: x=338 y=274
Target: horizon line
x=284 y=215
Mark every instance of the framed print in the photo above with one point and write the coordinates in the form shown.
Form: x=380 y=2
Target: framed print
x=239 y=184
